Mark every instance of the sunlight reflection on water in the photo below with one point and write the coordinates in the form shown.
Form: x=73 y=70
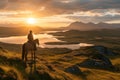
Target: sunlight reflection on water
x=44 y=38
x=21 y=39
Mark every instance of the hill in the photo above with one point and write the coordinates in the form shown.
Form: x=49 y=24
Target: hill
x=105 y=37
x=60 y=64
x=21 y=31
x=91 y=26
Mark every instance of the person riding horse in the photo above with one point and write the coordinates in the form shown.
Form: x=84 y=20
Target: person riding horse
x=31 y=39
x=29 y=47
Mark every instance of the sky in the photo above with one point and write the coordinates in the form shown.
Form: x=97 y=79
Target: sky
x=57 y=13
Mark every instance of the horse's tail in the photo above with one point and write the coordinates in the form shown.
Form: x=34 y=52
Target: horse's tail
x=23 y=51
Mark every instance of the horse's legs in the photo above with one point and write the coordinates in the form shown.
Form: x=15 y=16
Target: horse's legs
x=31 y=55
x=34 y=55
x=26 y=55
x=23 y=56
x=34 y=61
x=23 y=53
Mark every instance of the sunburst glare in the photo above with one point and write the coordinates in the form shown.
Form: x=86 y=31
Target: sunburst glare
x=31 y=21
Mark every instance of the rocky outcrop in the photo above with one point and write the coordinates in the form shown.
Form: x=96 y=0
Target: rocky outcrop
x=104 y=50
x=97 y=61
x=91 y=50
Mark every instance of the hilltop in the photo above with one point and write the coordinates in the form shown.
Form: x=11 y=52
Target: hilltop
x=90 y=26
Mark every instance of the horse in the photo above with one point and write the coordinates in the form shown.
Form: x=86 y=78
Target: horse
x=29 y=47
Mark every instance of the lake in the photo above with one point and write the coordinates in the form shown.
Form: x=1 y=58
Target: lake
x=44 y=38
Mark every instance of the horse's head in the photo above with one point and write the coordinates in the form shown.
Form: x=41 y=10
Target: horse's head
x=37 y=41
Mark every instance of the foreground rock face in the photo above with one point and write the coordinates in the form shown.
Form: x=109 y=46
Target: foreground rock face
x=97 y=61
x=73 y=70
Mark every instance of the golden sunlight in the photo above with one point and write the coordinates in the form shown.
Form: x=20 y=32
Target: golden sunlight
x=31 y=21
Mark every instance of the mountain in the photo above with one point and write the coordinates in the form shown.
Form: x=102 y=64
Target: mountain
x=90 y=26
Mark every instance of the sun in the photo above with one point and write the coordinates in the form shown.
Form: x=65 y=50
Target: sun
x=31 y=20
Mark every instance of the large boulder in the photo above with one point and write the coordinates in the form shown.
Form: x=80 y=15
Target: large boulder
x=91 y=50
x=104 y=50
x=102 y=58
x=97 y=61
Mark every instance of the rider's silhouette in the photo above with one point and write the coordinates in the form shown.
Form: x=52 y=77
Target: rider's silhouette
x=31 y=39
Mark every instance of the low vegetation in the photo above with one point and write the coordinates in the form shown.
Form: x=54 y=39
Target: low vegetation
x=56 y=64
x=66 y=64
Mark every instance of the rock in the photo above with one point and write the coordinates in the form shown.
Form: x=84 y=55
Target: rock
x=97 y=61
x=73 y=70
x=104 y=50
x=102 y=58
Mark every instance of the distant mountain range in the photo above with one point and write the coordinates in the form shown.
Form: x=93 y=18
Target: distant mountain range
x=90 y=26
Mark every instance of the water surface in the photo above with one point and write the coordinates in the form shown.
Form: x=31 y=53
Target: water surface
x=44 y=38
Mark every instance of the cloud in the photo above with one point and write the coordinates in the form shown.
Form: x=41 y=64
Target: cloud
x=3 y=4
x=95 y=16
x=61 y=6
x=91 y=10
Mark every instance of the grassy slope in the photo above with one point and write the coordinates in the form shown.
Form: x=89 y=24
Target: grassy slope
x=58 y=59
